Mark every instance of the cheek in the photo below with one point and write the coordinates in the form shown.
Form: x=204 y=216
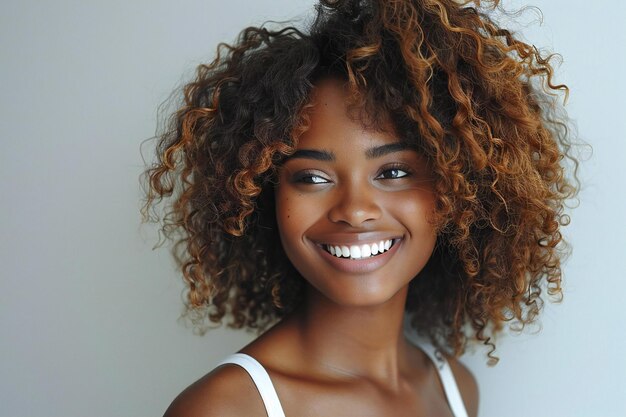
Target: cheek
x=291 y=215
x=415 y=210
x=294 y=218
x=283 y=212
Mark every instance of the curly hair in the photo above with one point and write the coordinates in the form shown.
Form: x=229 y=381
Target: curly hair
x=478 y=102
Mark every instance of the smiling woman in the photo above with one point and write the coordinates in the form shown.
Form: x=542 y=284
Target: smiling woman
x=352 y=206
x=384 y=188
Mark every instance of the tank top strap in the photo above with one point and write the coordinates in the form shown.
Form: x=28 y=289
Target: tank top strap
x=266 y=389
x=445 y=374
x=261 y=379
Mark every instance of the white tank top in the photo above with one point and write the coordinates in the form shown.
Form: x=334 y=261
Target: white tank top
x=274 y=409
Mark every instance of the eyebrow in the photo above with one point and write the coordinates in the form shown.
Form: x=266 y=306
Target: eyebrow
x=378 y=151
x=313 y=154
x=371 y=153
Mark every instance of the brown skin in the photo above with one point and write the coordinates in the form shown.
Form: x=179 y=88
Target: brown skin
x=343 y=352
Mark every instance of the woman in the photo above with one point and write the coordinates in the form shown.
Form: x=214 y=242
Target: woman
x=383 y=189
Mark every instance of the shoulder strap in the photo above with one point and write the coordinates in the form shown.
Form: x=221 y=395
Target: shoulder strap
x=445 y=373
x=261 y=379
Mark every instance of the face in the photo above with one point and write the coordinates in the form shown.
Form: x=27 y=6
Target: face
x=352 y=207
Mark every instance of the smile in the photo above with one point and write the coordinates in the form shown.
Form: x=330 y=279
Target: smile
x=361 y=258
x=362 y=251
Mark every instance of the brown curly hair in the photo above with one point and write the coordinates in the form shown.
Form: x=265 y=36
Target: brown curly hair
x=479 y=103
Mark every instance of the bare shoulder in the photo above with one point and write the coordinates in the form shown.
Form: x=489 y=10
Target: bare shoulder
x=467 y=385
x=227 y=391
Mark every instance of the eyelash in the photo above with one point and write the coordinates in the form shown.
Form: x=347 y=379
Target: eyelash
x=306 y=176
x=395 y=167
x=302 y=176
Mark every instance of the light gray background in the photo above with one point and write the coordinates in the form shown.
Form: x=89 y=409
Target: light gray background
x=88 y=311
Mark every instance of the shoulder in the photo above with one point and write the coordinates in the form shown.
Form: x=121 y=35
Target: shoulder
x=227 y=391
x=467 y=385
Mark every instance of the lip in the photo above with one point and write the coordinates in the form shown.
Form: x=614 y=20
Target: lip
x=349 y=239
x=359 y=266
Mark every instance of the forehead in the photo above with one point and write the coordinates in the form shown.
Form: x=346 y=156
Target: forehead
x=332 y=122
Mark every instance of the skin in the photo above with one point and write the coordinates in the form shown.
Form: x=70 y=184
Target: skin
x=343 y=351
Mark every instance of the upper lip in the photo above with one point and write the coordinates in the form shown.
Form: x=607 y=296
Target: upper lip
x=348 y=239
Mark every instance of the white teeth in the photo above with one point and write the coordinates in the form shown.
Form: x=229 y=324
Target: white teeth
x=359 y=251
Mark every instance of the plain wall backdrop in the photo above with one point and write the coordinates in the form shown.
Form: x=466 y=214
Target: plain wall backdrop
x=88 y=312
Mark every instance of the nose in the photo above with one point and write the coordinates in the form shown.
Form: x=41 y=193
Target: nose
x=354 y=205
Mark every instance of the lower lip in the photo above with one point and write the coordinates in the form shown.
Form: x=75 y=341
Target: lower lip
x=359 y=266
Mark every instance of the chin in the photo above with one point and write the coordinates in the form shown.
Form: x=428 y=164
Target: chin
x=361 y=294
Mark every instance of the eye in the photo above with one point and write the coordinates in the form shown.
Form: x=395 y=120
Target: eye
x=309 y=178
x=393 y=173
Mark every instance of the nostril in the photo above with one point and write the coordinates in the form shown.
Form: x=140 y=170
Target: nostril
x=354 y=213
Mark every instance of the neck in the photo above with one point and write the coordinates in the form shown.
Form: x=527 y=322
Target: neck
x=348 y=341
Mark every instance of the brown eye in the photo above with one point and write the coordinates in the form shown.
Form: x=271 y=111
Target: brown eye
x=393 y=173
x=309 y=178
